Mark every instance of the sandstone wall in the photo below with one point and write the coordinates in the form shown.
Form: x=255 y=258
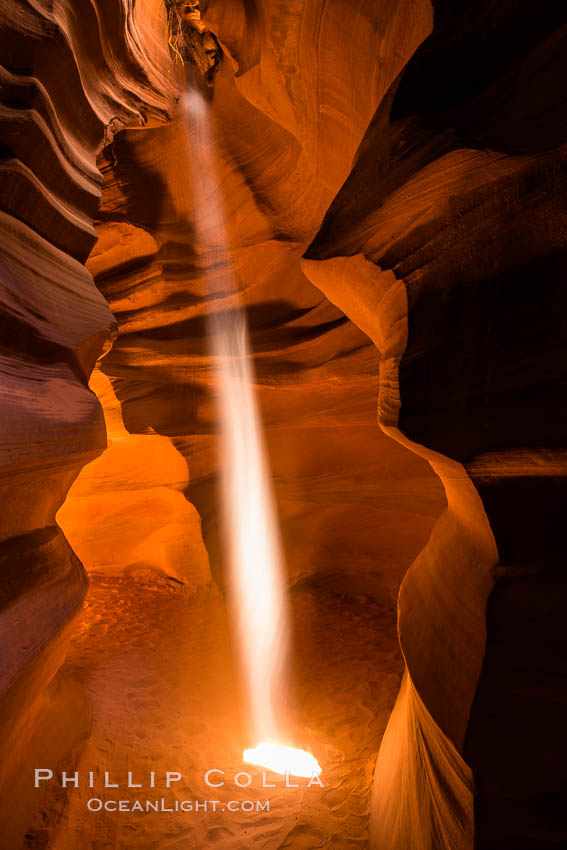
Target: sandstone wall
x=355 y=507
x=72 y=73
x=446 y=244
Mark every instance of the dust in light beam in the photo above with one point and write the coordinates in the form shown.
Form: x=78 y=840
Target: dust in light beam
x=257 y=587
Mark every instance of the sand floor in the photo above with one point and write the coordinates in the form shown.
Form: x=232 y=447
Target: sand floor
x=157 y=662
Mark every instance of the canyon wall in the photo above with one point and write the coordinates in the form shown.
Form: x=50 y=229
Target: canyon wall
x=438 y=269
x=298 y=88
x=446 y=244
x=354 y=506
x=67 y=84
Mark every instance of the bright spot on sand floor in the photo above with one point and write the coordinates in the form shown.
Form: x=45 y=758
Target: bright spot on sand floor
x=280 y=759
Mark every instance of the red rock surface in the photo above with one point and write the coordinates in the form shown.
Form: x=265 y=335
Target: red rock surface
x=395 y=204
x=317 y=374
x=461 y=240
x=64 y=90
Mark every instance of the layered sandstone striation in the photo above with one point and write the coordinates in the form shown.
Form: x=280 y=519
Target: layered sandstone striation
x=67 y=84
x=453 y=263
x=316 y=372
x=291 y=105
x=424 y=187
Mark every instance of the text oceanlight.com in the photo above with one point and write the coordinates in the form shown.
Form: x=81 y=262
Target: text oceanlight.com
x=97 y=783
x=95 y=804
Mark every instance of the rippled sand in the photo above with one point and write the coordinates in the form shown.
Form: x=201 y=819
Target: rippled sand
x=158 y=664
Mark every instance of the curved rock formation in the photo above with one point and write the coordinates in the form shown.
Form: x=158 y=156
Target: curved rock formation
x=332 y=467
x=316 y=372
x=126 y=512
x=192 y=41
x=73 y=76
x=63 y=91
x=438 y=290
x=453 y=265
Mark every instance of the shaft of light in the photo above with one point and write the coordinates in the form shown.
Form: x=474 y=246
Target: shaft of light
x=257 y=585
